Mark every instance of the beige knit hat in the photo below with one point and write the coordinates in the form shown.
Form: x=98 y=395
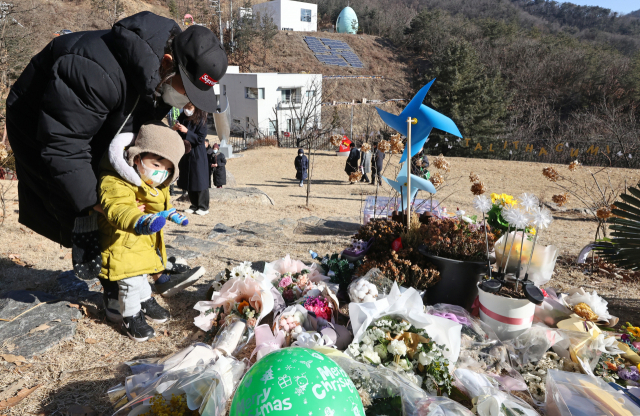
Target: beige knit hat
x=156 y=137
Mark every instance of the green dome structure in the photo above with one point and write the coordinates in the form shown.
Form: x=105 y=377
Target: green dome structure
x=347 y=21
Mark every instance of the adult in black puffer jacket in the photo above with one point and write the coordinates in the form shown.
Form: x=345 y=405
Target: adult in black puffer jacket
x=74 y=96
x=194 y=166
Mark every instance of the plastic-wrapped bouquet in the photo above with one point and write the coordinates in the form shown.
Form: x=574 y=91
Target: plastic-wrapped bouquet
x=397 y=345
x=362 y=290
x=320 y=306
x=291 y=324
x=247 y=294
x=293 y=286
x=535 y=374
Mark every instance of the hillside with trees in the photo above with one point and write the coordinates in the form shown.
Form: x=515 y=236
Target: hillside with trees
x=513 y=74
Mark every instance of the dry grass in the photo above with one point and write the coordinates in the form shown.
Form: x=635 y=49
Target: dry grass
x=76 y=372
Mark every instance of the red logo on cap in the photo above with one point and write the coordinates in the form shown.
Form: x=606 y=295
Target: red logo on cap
x=208 y=80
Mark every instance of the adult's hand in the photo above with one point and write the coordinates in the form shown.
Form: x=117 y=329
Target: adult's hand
x=179 y=127
x=98 y=208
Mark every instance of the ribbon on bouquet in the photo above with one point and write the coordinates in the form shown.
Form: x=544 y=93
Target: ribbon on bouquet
x=266 y=342
x=453 y=317
x=314 y=339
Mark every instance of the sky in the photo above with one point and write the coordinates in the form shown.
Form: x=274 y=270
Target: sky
x=620 y=6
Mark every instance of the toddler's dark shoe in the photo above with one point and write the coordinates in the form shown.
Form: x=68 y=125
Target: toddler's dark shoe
x=178 y=281
x=154 y=312
x=137 y=328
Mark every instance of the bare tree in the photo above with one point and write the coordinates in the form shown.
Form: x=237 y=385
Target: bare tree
x=109 y=11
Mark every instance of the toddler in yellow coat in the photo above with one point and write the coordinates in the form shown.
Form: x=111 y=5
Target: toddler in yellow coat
x=132 y=241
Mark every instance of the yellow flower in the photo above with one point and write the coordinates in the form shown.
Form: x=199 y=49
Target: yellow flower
x=532 y=230
x=634 y=330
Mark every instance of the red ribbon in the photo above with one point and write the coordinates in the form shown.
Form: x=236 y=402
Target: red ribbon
x=505 y=319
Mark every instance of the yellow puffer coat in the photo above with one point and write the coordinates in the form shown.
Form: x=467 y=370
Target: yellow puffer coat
x=124 y=253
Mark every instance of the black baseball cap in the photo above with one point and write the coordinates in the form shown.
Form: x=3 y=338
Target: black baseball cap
x=201 y=61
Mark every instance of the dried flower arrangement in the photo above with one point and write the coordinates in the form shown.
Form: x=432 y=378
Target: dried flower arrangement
x=397 y=145
x=406 y=266
x=596 y=194
x=366 y=147
x=384 y=146
x=336 y=140
x=456 y=239
x=355 y=176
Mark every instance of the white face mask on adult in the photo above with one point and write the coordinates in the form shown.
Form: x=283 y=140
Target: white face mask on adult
x=188 y=112
x=173 y=97
x=215 y=150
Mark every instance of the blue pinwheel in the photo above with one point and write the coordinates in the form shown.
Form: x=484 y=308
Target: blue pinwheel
x=427 y=120
x=417 y=183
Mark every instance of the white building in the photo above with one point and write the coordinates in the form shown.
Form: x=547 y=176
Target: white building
x=290 y=15
x=257 y=99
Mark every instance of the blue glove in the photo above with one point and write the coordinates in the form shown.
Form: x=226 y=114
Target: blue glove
x=149 y=224
x=172 y=215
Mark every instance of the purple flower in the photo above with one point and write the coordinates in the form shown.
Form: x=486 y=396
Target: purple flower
x=625 y=337
x=629 y=373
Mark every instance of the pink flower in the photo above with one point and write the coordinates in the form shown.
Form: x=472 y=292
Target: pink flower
x=251 y=322
x=319 y=306
x=286 y=281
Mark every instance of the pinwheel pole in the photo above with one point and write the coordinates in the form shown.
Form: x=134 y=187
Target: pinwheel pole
x=408 y=212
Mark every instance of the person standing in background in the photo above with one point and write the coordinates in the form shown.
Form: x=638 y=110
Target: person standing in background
x=192 y=126
x=377 y=165
x=218 y=163
x=352 y=161
x=365 y=161
x=302 y=166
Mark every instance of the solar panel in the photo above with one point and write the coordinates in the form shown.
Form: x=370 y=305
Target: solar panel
x=333 y=52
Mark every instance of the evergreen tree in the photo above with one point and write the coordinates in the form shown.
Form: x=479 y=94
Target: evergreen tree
x=465 y=91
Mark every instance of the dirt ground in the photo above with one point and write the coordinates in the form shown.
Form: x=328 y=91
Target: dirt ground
x=80 y=371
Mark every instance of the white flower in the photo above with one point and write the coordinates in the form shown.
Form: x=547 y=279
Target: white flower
x=378 y=333
x=482 y=203
x=381 y=350
x=366 y=348
x=517 y=218
x=371 y=356
x=541 y=217
x=529 y=201
x=367 y=340
x=426 y=358
x=353 y=350
x=397 y=348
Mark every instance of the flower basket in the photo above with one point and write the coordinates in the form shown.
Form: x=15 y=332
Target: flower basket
x=507 y=317
x=459 y=281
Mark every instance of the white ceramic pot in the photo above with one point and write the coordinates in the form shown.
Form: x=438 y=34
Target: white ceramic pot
x=507 y=317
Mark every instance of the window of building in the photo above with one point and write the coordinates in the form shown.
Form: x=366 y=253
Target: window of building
x=311 y=93
x=236 y=121
x=224 y=90
x=291 y=96
x=248 y=122
x=305 y=15
x=272 y=127
x=254 y=93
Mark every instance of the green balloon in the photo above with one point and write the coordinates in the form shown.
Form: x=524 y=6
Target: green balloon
x=296 y=382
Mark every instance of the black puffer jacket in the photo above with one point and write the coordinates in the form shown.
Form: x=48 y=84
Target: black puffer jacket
x=69 y=103
x=194 y=166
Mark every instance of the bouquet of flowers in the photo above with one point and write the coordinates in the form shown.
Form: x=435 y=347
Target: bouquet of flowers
x=339 y=270
x=291 y=323
x=396 y=344
x=320 y=306
x=247 y=294
x=274 y=270
x=293 y=286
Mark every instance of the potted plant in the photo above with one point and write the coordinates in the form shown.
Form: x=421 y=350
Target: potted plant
x=507 y=302
x=458 y=249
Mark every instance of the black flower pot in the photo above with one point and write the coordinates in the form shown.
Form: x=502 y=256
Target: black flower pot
x=459 y=281
x=343 y=293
